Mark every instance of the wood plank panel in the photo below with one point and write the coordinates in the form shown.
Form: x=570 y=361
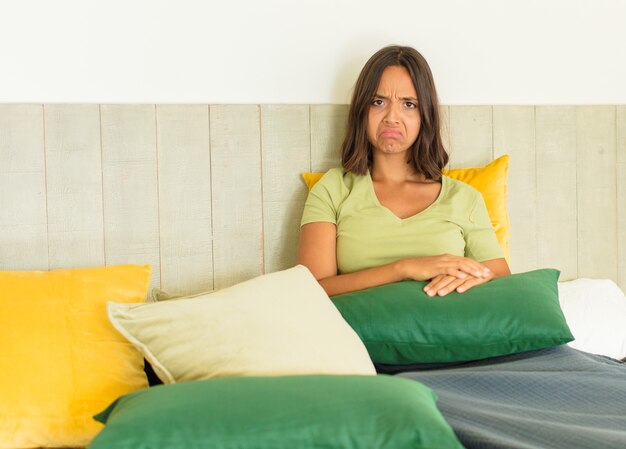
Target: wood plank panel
x=74 y=185
x=328 y=127
x=621 y=196
x=50 y=181
x=130 y=190
x=23 y=221
x=514 y=134
x=286 y=140
x=444 y=128
x=597 y=193
x=557 y=225
x=184 y=161
x=471 y=136
x=237 y=197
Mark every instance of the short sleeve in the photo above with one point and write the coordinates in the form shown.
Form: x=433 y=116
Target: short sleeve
x=480 y=238
x=325 y=198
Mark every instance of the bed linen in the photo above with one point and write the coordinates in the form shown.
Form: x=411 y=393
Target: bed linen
x=553 y=398
x=595 y=310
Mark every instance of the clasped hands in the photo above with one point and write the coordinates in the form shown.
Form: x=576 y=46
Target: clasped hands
x=446 y=273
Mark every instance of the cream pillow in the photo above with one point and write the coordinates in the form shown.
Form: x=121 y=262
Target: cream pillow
x=281 y=323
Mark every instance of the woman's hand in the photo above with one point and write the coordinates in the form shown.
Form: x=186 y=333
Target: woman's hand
x=457 y=267
x=443 y=284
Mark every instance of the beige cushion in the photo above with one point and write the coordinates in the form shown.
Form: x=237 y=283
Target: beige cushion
x=277 y=324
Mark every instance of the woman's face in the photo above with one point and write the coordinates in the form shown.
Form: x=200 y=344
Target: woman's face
x=393 y=121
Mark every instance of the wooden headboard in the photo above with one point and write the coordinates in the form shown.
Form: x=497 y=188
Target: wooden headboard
x=211 y=195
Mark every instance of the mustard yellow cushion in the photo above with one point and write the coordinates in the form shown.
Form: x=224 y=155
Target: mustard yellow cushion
x=311 y=178
x=490 y=180
x=61 y=360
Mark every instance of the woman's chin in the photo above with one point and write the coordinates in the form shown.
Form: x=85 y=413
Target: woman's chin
x=392 y=149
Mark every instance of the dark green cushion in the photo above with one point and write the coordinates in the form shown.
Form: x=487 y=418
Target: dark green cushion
x=400 y=324
x=291 y=412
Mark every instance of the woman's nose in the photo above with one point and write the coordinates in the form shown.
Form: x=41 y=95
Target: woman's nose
x=391 y=114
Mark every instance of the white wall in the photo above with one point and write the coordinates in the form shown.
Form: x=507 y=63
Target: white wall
x=308 y=51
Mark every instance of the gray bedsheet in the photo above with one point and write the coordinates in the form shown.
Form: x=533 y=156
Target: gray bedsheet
x=551 y=398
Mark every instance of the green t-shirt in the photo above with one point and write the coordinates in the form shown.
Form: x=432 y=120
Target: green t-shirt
x=370 y=235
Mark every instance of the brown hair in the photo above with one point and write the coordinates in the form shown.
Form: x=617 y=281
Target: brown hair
x=427 y=154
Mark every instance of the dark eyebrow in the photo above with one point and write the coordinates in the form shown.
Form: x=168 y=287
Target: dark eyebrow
x=403 y=98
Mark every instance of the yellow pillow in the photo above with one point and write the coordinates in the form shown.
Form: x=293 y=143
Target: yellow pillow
x=489 y=180
x=61 y=359
x=311 y=178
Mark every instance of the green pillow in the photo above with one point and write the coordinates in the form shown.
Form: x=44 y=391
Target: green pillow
x=399 y=324
x=289 y=412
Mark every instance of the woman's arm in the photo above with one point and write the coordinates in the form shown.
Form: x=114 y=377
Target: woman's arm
x=499 y=267
x=317 y=251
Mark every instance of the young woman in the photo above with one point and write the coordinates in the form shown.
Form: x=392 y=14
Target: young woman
x=388 y=213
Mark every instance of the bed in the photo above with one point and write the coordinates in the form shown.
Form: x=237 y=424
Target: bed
x=186 y=200
x=550 y=398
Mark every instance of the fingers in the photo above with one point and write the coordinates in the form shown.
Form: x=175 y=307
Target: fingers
x=465 y=286
x=423 y=268
x=471 y=267
x=456 y=273
x=454 y=265
x=431 y=288
x=472 y=282
x=442 y=285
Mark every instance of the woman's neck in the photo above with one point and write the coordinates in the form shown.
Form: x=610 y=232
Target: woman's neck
x=394 y=170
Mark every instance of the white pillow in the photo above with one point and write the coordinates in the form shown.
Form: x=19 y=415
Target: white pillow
x=277 y=324
x=595 y=310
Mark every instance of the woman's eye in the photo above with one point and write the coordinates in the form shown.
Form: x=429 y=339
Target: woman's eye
x=377 y=102
x=410 y=105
